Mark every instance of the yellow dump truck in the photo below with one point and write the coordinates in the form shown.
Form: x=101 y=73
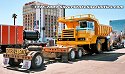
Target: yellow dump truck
x=84 y=34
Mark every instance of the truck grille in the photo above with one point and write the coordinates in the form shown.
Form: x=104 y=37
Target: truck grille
x=68 y=33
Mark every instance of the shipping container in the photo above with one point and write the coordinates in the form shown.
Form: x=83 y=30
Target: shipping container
x=11 y=35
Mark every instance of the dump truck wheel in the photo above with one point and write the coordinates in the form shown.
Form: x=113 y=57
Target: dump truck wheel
x=107 y=45
x=71 y=54
x=79 y=53
x=37 y=60
x=13 y=63
x=98 y=47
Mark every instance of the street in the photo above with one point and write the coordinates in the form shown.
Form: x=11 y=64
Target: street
x=112 y=62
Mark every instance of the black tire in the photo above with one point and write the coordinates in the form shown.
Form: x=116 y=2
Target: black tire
x=33 y=64
x=79 y=53
x=71 y=55
x=107 y=45
x=35 y=48
x=98 y=47
x=3 y=48
x=13 y=63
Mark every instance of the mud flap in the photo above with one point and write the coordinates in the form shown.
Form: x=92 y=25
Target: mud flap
x=26 y=64
x=6 y=61
x=65 y=57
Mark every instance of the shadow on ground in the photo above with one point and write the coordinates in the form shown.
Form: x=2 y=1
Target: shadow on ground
x=26 y=71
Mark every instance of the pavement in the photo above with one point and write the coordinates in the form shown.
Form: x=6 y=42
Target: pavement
x=112 y=62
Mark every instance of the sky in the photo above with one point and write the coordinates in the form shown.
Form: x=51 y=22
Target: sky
x=8 y=7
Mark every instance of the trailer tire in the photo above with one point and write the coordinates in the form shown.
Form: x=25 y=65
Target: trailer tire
x=13 y=63
x=71 y=54
x=98 y=47
x=79 y=53
x=35 y=48
x=37 y=60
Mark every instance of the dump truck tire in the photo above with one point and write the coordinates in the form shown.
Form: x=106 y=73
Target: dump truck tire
x=107 y=45
x=37 y=60
x=79 y=53
x=71 y=54
x=13 y=63
x=98 y=47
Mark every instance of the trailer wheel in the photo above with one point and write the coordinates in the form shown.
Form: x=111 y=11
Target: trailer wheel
x=37 y=61
x=79 y=53
x=13 y=63
x=71 y=54
x=98 y=47
x=107 y=45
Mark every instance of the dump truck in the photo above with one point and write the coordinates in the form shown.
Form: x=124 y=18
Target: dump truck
x=83 y=35
x=21 y=46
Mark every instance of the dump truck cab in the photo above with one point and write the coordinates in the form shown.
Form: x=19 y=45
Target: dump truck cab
x=78 y=35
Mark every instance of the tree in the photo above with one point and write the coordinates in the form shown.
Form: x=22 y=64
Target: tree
x=14 y=16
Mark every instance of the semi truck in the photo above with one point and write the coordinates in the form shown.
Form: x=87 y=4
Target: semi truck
x=84 y=34
x=19 y=45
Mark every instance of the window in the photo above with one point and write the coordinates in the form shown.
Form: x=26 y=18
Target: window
x=83 y=24
x=91 y=25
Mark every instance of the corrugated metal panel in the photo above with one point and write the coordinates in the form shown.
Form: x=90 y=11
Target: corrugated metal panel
x=0 y=35
x=19 y=34
x=4 y=35
x=12 y=34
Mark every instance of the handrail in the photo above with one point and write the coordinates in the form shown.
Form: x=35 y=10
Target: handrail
x=77 y=16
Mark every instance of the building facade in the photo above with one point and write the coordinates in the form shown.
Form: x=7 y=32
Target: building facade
x=43 y=20
x=118 y=25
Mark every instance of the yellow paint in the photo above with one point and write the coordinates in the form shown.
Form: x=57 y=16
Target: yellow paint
x=89 y=35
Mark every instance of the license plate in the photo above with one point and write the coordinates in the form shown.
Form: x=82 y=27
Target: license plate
x=15 y=51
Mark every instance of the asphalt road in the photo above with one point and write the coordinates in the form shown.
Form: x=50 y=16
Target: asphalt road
x=112 y=62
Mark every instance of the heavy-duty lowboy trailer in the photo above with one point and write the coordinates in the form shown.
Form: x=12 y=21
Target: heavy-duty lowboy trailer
x=84 y=34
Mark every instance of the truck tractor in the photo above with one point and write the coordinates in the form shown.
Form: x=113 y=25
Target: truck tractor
x=83 y=35
x=21 y=46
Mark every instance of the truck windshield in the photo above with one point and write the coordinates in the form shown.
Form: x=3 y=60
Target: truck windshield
x=83 y=24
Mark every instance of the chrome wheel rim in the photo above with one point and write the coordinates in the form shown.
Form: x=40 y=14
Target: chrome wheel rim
x=38 y=60
x=72 y=54
x=80 y=53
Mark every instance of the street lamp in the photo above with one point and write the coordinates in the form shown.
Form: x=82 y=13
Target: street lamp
x=14 y=16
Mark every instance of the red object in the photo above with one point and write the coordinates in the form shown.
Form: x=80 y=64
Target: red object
x=11 y=35
x=19 y=35
x=0 y=34
x=4 y=36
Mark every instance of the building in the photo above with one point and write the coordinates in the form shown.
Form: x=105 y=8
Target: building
x=43 y=20
x=118 y=25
